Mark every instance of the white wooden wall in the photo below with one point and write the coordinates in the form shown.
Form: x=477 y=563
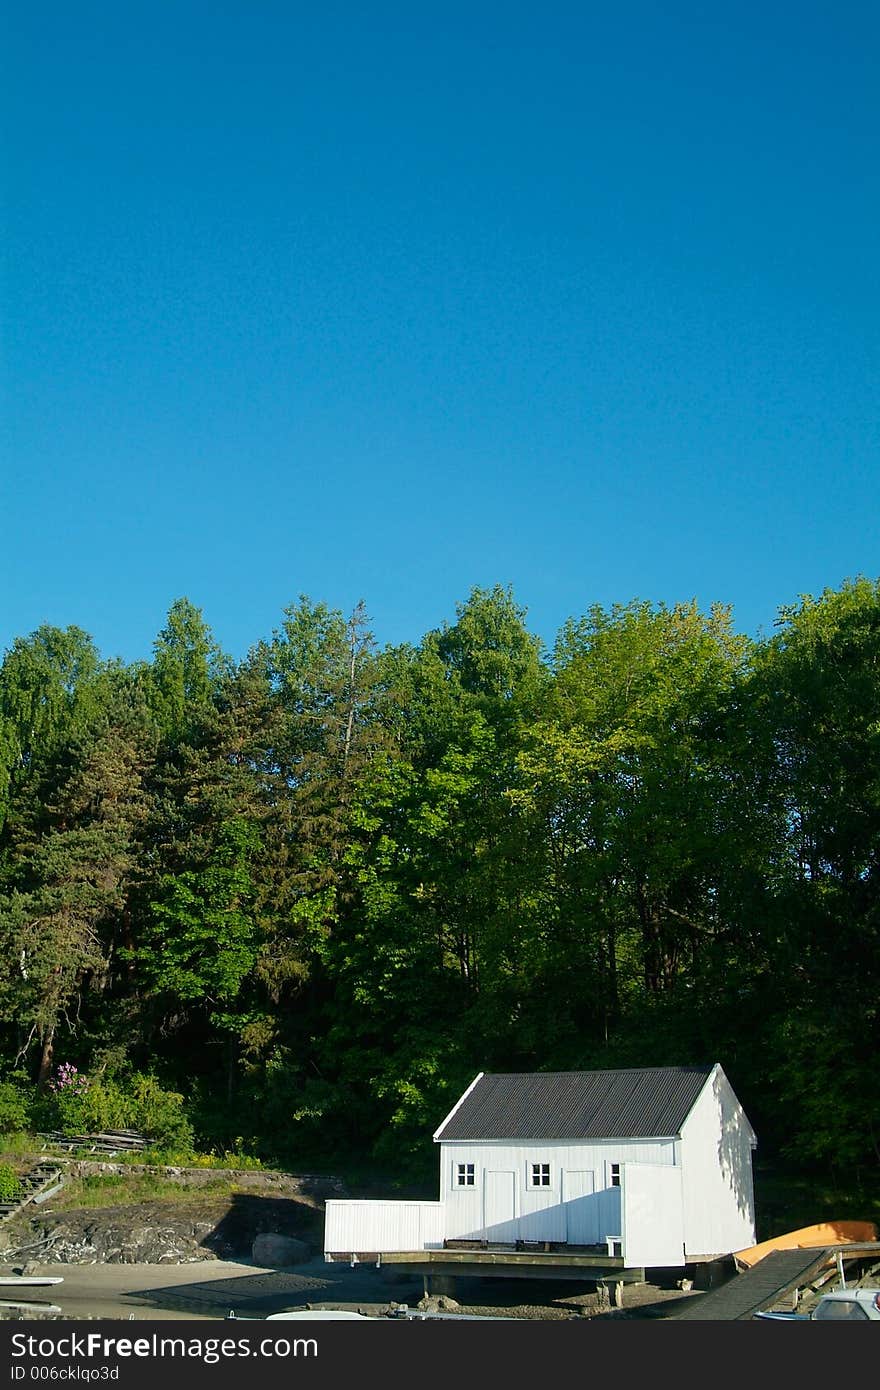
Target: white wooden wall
x=653 y=1217
x=352 y=1226
x=555 y=1213
x=716 y=1164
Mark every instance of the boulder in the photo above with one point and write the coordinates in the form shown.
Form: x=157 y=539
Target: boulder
x=276 y=1251
x=438 y=1303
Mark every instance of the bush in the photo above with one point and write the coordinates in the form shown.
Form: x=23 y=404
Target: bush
x=84 y=1106
x=15 y=1108
x=160 y=1114
x=78 y=1104
x=10 y=1187
x=227 y=1159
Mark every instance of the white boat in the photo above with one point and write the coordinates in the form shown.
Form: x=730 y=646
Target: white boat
x=29 y=1281
x=310 y=1314
x=306 y=1314
x=18 y=1306
x=402 y=1313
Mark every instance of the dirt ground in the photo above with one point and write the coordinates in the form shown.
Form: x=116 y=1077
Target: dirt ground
x=215 y=1288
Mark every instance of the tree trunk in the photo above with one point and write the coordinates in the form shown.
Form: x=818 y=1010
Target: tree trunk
x=45 y=1070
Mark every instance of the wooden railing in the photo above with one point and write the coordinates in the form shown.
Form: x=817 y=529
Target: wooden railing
x=39 y=1179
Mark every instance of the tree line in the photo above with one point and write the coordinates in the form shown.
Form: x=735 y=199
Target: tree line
x=316 y=890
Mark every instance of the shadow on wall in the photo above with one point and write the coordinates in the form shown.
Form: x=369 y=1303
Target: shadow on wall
x=734 y=1149
x=581 y=1221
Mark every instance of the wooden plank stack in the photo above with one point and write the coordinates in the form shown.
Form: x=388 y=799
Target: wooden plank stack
x=110 y=1141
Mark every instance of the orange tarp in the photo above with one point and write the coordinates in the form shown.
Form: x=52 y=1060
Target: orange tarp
x=808 y=1237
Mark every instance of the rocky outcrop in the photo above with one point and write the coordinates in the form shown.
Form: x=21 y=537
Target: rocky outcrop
x=152 y=1233
x=175 y=1232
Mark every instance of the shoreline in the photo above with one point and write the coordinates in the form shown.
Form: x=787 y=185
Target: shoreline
x=211 y=1290
x=205 y=1290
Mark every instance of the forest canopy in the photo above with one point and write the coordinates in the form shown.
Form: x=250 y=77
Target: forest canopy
x=314 y=891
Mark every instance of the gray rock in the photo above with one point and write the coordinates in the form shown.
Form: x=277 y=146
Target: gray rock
x=277 y=1251
x=149 y=1233
x=438 y=1303
x=167 y=1232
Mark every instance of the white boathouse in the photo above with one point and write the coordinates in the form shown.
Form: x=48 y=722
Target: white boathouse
x=650 y=1166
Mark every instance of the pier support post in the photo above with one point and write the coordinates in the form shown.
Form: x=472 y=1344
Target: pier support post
x=610 y=1293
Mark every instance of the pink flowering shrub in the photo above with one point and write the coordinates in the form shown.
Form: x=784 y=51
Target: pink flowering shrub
x=69 y=1099
x=69 y=1078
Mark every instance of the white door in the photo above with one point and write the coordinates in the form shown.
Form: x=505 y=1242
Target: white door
x=581 y=1207
x=499 y=1210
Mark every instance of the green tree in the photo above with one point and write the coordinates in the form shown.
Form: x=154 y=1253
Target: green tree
x=817 y=690
x=71 y=862
x=48 y=692
x=419 y=960
x=624 y=783
x=201 y=940
x=187 y=668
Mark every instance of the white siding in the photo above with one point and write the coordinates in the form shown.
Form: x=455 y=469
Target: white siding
x=542 y=1213
x=352 y=1226
x=716 y=1163
x=653 y=1219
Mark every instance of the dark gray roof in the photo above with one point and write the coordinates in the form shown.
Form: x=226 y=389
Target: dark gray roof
x=643 y=1103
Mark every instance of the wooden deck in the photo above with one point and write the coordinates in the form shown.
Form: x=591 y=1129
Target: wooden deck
x=499 y=1263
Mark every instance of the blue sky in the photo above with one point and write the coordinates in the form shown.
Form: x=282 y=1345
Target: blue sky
x=389 y=301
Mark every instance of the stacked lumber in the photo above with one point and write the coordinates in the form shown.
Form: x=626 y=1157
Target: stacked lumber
x=109 y=1141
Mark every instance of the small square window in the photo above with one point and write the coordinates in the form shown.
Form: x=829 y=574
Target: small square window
x=464 y=1175
x=614 y=1174
x=539 y=1174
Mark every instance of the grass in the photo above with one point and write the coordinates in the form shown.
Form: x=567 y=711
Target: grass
x=123 y=1189
x=21 y=1150
x=20 y=1144
x=177 y=1158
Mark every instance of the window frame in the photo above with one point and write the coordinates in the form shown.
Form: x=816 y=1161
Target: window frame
x=539 y=1176
x=464 y=1176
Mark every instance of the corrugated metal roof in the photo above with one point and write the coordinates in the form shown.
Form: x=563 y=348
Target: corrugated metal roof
x=641 y=1103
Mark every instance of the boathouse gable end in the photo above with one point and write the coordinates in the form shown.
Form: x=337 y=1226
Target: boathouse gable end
x=717 y=1143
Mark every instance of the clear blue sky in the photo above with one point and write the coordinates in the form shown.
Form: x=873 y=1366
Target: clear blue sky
x=391 y=300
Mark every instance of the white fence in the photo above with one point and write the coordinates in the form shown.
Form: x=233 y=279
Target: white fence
x=352 y=1226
